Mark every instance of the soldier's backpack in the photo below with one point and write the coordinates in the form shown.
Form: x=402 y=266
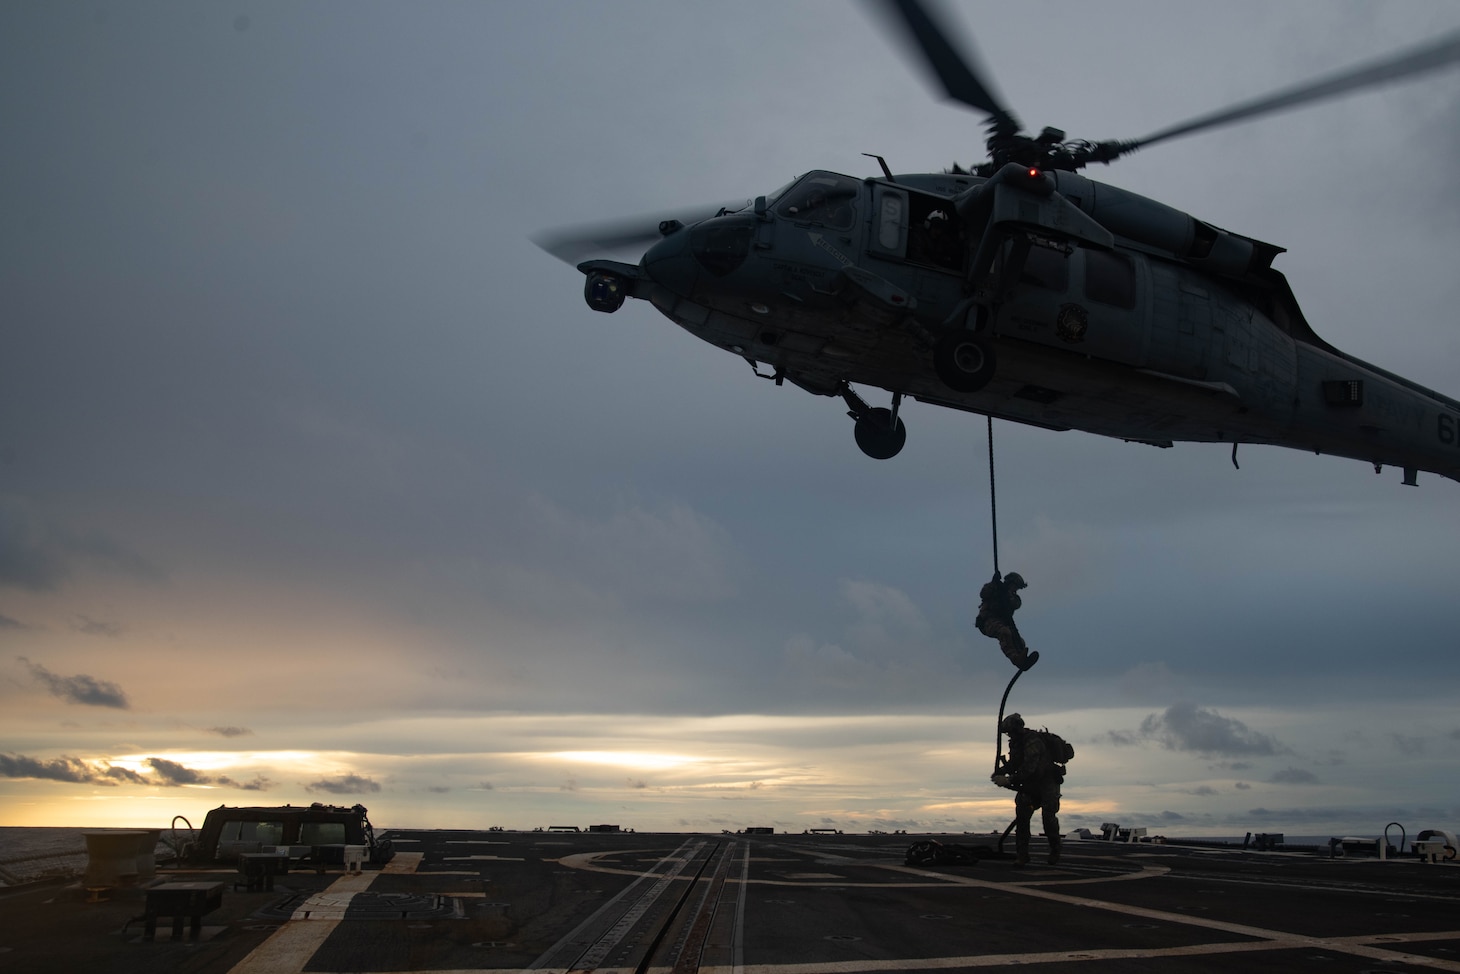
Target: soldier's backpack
x=1059 y=750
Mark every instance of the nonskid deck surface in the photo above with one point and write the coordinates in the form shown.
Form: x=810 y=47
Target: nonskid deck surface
x=768 y=904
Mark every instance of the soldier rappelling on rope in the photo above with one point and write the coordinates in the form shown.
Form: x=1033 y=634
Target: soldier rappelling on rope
x=998 y=600
x=999 y=597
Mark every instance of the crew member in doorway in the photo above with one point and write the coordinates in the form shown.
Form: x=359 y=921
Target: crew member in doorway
x=1034 y=771
x=997 y=601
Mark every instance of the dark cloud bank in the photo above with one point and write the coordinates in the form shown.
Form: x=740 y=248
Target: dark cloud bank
x=346 y=784
x=165 y=773
x=1187 y=727
x=82 y=689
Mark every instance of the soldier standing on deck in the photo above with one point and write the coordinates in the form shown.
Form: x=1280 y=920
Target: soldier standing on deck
x=1034 y=770
x=998 y=600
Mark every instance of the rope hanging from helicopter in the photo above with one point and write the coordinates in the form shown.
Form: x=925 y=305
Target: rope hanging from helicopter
x=993 y=499
x=994 y=534
x=998 y=600
x=999 y=727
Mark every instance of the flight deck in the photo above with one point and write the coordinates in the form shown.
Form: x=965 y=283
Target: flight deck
x=458 y=901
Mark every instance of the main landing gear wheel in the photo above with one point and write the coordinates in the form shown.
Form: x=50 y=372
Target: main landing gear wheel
x=877 y=434
x=963 y=361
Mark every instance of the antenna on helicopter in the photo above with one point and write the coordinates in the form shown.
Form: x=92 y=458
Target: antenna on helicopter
x=883 y=163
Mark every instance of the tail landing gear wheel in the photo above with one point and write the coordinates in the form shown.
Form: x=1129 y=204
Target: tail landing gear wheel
x=604 y=292
x=877 y=436
x=964 y=362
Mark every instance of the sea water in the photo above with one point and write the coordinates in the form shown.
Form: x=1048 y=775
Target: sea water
x=29 y=854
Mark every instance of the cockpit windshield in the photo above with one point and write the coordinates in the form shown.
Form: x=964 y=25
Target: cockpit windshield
x=771 y=198
x=820 y=197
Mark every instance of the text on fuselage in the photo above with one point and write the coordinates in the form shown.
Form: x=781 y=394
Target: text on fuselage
x=1448 y=428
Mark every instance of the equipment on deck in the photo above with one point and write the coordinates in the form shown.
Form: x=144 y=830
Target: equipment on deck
x=319 y=832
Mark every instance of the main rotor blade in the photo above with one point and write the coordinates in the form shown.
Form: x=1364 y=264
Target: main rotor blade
x=955 y=71
x=574 y=244
x=1427 y=57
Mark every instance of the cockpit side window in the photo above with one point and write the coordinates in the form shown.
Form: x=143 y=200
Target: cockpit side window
x=935 y=235
x=821 y=197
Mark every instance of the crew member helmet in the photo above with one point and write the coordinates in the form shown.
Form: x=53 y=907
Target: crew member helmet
x=1016 y=580
x=1012 y=723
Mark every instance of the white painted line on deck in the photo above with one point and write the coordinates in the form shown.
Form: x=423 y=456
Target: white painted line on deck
x=593 y=958
x=975 y=961
x=403 y=862
x=737 y=948
x=577 y=936
x=1145 y=872
x=1267 y=939
x=352 y=883
x=289 y=949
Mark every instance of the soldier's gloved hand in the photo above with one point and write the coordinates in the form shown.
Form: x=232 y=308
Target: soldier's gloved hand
x=1002 y=780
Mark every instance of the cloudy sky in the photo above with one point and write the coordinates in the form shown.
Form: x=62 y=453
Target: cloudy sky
x=319 y=482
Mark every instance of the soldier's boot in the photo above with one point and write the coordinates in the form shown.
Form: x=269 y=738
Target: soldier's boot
x=1029 y=660
x=1054 y=850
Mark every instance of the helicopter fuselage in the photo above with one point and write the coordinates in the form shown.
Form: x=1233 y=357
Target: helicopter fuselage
x=1043 y=298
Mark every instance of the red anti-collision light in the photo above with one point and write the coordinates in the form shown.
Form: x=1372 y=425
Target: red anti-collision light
x=1033 y=173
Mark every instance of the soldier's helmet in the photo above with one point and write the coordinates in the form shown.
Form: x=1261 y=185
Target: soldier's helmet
x=1015 y=580
x=1011 y=724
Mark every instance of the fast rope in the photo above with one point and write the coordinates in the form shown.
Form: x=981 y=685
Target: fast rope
x=999 y=727
x=994 y=527
x=993 y=500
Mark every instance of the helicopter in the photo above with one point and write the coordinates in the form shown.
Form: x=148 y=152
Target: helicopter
x=1022 y=290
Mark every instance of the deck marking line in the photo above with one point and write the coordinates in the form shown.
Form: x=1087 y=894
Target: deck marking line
x=288 y=949
x=593 y=958
x=692 y=947
x=280 y=954
x=403 y=862
x=737 y=949
x=1144 y=913
x=1272 y=937
x=1051 y=957
x=597 y=917
x=587 y=862
x=455 y=872
x=324 y=906
x=1408 y=938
